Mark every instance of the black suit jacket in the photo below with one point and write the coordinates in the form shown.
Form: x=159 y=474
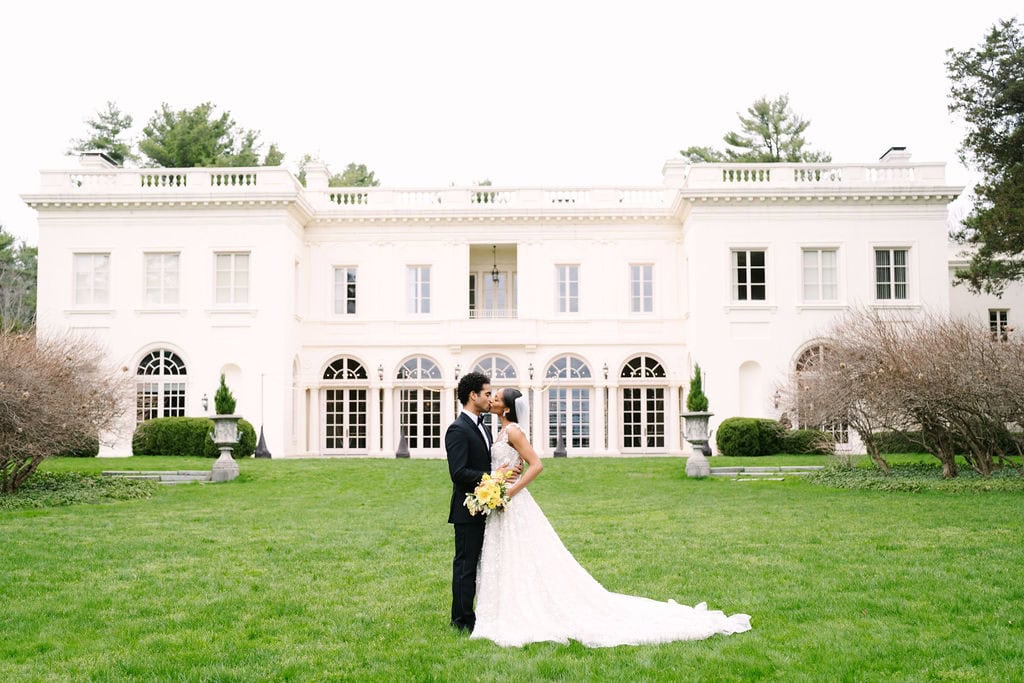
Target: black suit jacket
x=469 y=458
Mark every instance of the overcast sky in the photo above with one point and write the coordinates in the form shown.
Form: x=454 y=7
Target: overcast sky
x=538 y=93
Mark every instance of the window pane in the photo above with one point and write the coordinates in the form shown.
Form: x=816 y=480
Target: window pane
x=757 y=259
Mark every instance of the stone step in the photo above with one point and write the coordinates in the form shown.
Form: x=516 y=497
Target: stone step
x=162 y=476
x=759 y=479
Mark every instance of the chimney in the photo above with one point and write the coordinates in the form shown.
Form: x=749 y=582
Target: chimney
x=895 y=155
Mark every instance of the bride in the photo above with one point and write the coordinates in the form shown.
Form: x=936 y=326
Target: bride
x=532 y=589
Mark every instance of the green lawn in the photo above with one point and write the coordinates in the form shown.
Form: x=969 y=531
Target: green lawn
x=340 y=569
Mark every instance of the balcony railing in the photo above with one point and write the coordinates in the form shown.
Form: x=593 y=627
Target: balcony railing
x=493 y=313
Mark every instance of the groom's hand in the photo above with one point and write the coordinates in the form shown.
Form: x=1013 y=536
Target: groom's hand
x=514 y=472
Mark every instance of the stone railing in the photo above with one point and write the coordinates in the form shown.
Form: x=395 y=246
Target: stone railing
x=749 y=176
x=185 y=181
x=489 y=199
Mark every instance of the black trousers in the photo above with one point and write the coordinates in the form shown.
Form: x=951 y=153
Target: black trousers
x=469 y=541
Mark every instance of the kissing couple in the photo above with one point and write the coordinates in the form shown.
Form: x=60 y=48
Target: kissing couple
x=528 y=587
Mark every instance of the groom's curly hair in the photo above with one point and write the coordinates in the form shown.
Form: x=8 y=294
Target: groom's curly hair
x=470 y=382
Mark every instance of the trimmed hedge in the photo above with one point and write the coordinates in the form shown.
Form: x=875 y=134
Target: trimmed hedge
x=807 y=442
x=90 y=448
x=187 y=436
x=749 y=436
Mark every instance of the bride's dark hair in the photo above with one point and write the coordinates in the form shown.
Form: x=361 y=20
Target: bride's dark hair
x=508 y=397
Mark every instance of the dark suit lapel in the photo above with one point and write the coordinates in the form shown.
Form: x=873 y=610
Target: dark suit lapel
x=476 y=430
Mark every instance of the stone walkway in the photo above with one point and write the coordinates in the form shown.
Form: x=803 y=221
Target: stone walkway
x=162 y=476
x=763 y=473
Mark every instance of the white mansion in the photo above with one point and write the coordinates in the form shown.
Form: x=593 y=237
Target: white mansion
x=343 y=317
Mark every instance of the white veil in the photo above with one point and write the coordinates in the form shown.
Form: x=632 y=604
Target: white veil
x=522 y=405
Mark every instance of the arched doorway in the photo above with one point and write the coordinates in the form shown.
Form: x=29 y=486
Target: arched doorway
x=345 y=407
x=840 y=431
x=569 y=402
x=160 y=386
x=419 y=405
x=643 y=405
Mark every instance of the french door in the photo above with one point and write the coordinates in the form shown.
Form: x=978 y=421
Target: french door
x=643 y=419
x=420 y=419
x=345 y=421
x=569 y=417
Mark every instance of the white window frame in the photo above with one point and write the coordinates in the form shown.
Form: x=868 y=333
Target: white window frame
x=418 y=290
x=235 y=293
x=820 y=270
x=892 y=272
x=734 y=283
x=567 y=275
x=93 y=270
x=641 y=287
x=999 y=323
x=349 y=304
x=162 y=294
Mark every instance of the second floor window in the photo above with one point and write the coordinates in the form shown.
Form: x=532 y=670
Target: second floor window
x=419 y=289
x=641 y=288
x=92 y=279
x=568 y=282
x=345 y=290
x=161 y=278
x=232 y=278
x=890 y=274
x=748 y=276
x=821 y=279
x=999 y=324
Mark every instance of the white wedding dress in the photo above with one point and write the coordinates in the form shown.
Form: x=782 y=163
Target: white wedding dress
x=530 y=588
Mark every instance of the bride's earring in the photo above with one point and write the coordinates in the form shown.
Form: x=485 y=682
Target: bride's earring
x=505 y=414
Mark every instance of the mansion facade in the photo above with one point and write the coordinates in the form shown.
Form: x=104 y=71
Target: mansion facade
x=342 y=318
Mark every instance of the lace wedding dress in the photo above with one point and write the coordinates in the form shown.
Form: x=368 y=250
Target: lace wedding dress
x=530 y=588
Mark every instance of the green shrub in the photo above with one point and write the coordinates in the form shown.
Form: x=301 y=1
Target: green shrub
x=51 y=489
x=749 y=436
x=224 y=400
x=89 y=448
x=807 y=442
x=696 y=400
x=187 y=436
x=915 y=478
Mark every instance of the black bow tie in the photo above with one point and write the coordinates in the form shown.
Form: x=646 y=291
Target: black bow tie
x=479 y=419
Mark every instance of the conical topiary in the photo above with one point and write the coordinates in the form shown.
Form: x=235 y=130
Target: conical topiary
x=696 y=401
x=224 y=400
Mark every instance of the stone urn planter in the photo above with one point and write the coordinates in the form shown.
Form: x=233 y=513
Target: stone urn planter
x=696 y=432
x=225 y=436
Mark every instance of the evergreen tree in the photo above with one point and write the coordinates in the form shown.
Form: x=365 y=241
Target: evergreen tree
x=108 y=135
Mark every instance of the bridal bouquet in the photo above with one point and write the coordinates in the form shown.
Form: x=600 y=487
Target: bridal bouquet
x=490 y=494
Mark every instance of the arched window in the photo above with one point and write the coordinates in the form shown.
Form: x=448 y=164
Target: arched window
x=568 y=367
x=840 y=430
x=642 y=367
x=643 y=405
x=345 y=368
x=160 y=387
x=345 y=407
x=496 y=367
x=569 y=406
x=419 y=367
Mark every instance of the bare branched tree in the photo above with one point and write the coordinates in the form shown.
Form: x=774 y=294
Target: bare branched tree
x=56 y=394
x=943 y=382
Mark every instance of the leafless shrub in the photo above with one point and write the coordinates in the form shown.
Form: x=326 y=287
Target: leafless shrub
x=944 y=382
x=55 y=395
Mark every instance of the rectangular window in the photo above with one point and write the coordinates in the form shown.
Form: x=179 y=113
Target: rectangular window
x=998 y=324
x=820 y=267
x=232 y=278
x=419 y=289
x=568 y=281
x=748 y=276
x=161 y=278
x=472 y=295
x=641 y=288
x=92 y=279
x=345 y=290
x=891 y=274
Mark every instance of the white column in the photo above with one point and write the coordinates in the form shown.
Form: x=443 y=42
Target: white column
x=597 y=438
x=673 y=420
x=390 y=441
x=614 y=420
x=315 y=414
x=539 y=437
x=373 y=420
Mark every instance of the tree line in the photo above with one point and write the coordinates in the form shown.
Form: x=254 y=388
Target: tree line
x=189 y=138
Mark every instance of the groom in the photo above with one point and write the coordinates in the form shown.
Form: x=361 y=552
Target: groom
x=468 y=443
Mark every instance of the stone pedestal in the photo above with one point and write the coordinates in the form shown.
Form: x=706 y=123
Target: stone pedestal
x=225 y=436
